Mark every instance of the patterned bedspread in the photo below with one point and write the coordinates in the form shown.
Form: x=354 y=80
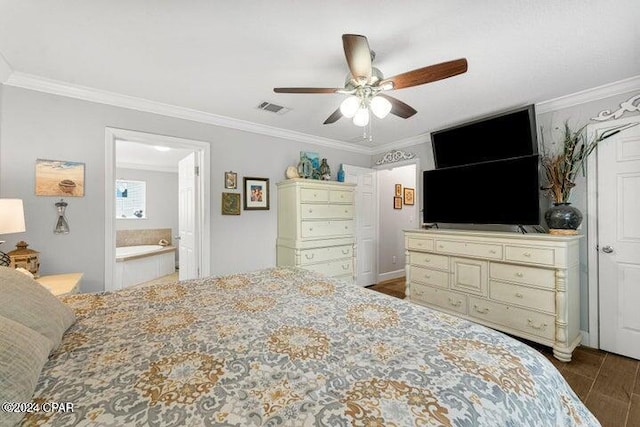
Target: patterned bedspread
x=289 y=347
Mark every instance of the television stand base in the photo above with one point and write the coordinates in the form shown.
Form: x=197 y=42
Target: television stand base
x=522 y=229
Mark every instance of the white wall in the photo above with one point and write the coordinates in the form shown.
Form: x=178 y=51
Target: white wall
x=392 y=221
x=39 y=125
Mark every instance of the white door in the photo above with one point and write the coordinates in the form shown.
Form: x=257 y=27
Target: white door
x=366 y=222
x=618 y=160
x=188 y=243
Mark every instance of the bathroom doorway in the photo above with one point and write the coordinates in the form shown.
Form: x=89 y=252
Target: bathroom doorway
x=157 y=164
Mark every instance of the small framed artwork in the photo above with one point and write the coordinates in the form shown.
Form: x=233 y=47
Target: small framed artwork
x=256 y=193
x=397 y=203
x=59 y=178
x=408 y=196
x=230 y=203
x=398 y=190
x=230 y=180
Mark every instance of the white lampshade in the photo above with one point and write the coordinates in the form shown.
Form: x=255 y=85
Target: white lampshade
x=349 y=106
x=362 y=117
x=11 y=216
x=380 y=106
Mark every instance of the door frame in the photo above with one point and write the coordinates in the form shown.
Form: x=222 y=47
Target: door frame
x=202 y=150
x=593 y=287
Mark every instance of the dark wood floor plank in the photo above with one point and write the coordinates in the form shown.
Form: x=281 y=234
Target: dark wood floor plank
x=633 y=419
x=585 y=362
x=580 y=384
x=609 y=411
x=617 y=377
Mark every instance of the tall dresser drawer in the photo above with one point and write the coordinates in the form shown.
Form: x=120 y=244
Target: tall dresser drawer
x=309 y=211
x=420 y=244
x=527 y=275
x=533 y=255
x=531 y=322
x=430 y=277
x=324 y=229
x=484 y=250
x=309 y=256
x=314 y=195
x=439 y=297
x=536 y=299
x=333 y=268
x=429 y=260
x=338 y=196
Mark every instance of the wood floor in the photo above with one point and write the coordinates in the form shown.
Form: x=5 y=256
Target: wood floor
x=607 y=383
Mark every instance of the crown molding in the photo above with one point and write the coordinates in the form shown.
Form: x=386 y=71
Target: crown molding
x=593 y=94
x=401 y=143
x=5 y=69
x=56 y=87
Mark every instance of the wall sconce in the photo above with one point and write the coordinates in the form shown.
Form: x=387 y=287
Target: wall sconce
x=11 y=221
x=62 y=227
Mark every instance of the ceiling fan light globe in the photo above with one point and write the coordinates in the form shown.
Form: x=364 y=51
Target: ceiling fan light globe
x=380 y=106
x=350 y=106
x=361 y=117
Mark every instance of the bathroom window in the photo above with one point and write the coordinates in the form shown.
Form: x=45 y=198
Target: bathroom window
x=131 y=199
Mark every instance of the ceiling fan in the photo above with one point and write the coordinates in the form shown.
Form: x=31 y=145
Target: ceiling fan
x=365 y=84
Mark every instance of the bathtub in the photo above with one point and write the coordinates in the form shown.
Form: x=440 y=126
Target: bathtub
x=138 y=264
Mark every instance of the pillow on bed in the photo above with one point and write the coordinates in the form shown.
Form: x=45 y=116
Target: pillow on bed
x=25 y=301
x=23 y=353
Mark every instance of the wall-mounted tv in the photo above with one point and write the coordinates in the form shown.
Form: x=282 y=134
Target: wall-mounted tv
x=496 y=192
x=511 y=134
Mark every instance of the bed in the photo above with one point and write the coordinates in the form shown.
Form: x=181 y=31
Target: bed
x=288 y=347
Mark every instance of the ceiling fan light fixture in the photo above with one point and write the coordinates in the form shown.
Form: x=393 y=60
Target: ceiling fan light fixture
x=350 y=106
x=361 y=117
x=380 y=106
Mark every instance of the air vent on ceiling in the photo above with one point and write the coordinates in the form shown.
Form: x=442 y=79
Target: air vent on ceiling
x=273 y=108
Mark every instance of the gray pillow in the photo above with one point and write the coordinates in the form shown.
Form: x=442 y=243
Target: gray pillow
x=25 y=301
x=23 y=353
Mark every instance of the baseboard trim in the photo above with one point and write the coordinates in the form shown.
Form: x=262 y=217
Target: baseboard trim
x=391 y=275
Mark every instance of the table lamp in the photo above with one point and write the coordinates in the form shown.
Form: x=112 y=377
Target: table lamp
x=11 y=221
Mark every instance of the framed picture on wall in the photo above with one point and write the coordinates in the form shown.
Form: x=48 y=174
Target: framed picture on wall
x=397 y=203
x=230 y=203
x=256 y=193
x=398 y=190
x=59 y=178
x=230 y=180
x=408 y=196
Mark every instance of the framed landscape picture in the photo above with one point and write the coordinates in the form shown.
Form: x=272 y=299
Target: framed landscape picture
x=408 y=196
x=59 y=178
x=256 y=193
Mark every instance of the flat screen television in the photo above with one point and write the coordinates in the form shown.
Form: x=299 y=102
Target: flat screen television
x=511 y=134
x=497 y=192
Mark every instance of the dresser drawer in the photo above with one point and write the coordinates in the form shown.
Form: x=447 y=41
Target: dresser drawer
x=541 y=277
x=309 y=211
x=314 y=195
x=429 y=260
x=537 y=299
x=420 y=244
x=340 y=196
x=429 y=277
x=309 y=256
x=439 y=297
x=324 y=229
x=533 y=255
x=531 y=322
x=469 y=275
x=483 y=250
x=332 y=268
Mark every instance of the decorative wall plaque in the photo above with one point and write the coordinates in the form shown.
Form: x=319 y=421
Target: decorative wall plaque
x=394 y=156
x=627 y=106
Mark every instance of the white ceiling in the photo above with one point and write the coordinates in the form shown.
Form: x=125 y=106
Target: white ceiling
x=136 y=155
x=225 y=57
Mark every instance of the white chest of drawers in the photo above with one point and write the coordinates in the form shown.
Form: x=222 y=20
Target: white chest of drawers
x=316 y=227
x=524 y=284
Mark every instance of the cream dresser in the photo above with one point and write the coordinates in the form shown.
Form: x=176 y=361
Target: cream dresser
x=524 y=284
x=316 y=227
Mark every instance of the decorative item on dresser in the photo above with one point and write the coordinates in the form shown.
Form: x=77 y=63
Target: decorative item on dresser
x=525 y=285
x=316 y=226
x=21 y=257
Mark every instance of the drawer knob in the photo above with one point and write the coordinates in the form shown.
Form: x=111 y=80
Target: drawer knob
x=345 y=251
x=527 y=254
x=427 y=276
x=481 y=310
x=418 y=293
x=310 y=210
x=518 y=274
x=310 y=228
x=346 y=211
x=427 y=260
x=532 y=325
x=519 y=295
x=492 y=251
x=419 y=244
x=309 y=256
x=345 y=266
x=440 y=246
x=455 y=303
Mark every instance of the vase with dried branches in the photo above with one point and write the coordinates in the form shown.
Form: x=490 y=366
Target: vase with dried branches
x=561 y=169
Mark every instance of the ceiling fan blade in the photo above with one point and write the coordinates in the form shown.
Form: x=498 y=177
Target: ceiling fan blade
x=334 y=117
x=428 y=74
x=306 y=89
x=398 y=107
x=358 y=54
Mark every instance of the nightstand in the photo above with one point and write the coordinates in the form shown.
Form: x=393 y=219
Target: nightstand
x=61 y=284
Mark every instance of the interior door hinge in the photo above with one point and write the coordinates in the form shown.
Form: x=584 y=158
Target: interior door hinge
x=197 y=170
